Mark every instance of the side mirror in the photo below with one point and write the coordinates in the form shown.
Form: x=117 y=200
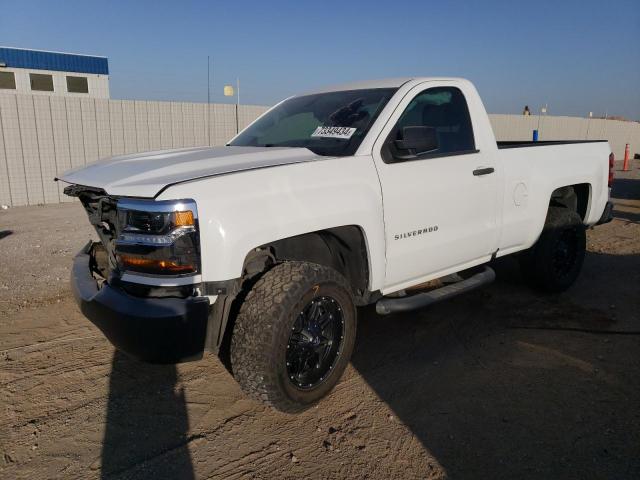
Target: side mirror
x=417 y=140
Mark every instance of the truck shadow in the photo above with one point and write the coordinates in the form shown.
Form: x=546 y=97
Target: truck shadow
x=146 y=424
x=506 y=383
x=625 y=194
x=627 y=216
x=626 y=189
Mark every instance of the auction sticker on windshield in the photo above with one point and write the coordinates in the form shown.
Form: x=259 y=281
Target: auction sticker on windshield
x=334 y=132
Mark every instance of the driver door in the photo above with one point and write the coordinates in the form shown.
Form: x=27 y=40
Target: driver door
x=440 y=205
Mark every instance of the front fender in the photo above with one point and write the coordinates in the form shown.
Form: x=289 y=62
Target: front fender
x=241 y=211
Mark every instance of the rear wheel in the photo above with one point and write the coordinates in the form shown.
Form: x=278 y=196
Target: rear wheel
x=294 y=335
x=554 y=262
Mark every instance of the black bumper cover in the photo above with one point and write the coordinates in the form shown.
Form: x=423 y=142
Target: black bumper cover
x=155 y=330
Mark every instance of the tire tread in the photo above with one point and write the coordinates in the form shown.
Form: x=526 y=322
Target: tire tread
x=270 y=301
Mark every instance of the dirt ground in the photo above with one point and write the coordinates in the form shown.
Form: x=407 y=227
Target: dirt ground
x=500 y=383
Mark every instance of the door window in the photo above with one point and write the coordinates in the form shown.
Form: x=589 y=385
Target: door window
x=435 y=123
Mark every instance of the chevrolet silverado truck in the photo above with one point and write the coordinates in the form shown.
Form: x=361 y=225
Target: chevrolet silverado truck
x=391 y=192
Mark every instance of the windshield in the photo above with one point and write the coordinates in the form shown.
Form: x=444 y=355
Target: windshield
x=332 y=123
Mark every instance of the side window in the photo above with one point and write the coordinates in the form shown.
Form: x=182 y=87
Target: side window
x=435 y=123
x=41 y=82
x=77 y=85
x=7 y=80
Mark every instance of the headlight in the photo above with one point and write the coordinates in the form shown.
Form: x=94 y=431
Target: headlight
x=159 y=238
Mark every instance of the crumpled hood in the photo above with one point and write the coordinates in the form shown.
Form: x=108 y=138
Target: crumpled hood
x=146 y=174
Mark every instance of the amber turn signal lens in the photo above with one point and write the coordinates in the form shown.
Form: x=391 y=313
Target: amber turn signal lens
x=149 y=265
x=183 y=219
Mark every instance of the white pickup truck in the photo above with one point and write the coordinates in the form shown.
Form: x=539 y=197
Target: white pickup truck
x=392 y=192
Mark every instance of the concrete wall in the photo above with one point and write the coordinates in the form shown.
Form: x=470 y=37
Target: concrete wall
x=618 y=133
x=42 y=136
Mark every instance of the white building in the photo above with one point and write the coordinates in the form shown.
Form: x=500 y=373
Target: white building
x=53 y=73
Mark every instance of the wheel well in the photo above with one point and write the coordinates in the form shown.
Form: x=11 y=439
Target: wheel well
x=574 y=197
x=342 y=248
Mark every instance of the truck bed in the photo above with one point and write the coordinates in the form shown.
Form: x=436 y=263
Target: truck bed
x=519 y=144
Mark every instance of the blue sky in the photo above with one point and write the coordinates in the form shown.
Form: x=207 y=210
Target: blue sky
x=577 y=56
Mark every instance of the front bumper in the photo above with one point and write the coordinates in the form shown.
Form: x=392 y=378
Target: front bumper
x=155 y=330
x=607 y=215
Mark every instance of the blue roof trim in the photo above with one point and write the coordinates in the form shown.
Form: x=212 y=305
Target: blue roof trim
x=63 y=62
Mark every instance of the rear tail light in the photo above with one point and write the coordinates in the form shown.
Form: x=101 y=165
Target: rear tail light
x=612 y=161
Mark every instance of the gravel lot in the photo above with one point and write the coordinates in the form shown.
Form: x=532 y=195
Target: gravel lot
x=500 y=383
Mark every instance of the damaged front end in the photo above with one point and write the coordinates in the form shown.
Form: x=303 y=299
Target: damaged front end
x=140 y=283
x=149 y=248
x=102 y=212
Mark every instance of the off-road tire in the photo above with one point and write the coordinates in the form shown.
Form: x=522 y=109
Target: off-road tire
x=263 y=326
x=539 y=264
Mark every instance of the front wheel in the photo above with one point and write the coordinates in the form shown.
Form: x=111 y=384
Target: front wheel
x=554 y=262
x=294 y=335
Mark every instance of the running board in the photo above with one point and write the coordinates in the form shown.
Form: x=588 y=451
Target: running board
x=385 y=305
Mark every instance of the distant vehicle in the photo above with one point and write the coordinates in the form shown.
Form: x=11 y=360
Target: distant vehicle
x=264 y=247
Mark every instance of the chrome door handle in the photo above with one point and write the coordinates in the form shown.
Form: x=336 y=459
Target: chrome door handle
x=483 y=171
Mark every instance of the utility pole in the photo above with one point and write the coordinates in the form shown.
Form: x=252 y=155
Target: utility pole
x=586 y=136
x=208 y=103
x=237 y=105
x=543 y=111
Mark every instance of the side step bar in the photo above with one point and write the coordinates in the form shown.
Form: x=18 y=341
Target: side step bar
x=385 y=306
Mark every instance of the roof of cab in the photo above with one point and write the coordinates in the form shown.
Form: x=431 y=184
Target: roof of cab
x=382 y=83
